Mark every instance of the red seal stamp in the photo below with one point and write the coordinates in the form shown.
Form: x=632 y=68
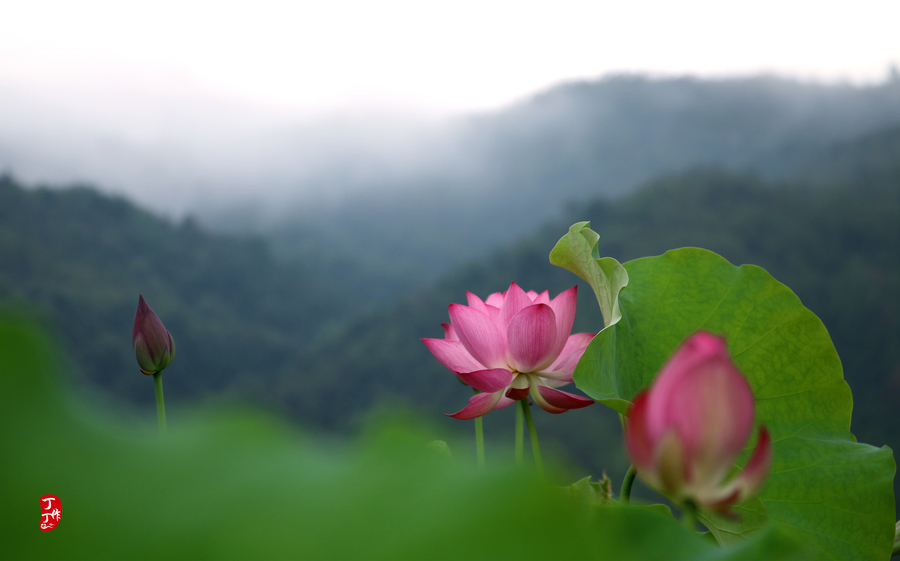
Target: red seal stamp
x=51 y=509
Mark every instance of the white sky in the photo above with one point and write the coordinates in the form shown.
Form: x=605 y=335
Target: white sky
x=431 y=57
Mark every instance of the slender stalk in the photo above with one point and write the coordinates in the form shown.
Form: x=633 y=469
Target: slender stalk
x=625 y=493
x=532 y=435
x=520 y=436
x=689 y=516
x=479 y=441
x=479 y=438
x=160 y=403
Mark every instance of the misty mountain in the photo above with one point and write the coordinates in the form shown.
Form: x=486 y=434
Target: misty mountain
x=521 y=166
x=388 y=201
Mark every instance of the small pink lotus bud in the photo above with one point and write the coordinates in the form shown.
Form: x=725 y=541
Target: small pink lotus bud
x=153 y=344
x=684 y=433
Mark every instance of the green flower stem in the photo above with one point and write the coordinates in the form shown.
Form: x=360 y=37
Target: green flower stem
x=160 y=403
x=689 y=516
x=520 y=436
x=479 y=438
x=625 y=493
x=532 y=434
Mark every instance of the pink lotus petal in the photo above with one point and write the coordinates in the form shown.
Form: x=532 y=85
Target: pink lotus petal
x=531 y=336
x=504 y=402
x=449 y=332
x=543 y=298
x=702 y=393
x=564 y=307
x=550 y=382
x=543 y=403
x=475 y=302
x=487 y=381
x=514 y=301
x=564 y=400
x=637 y=440
x=479 y=405
x=564 y=366
x=532 y=295
x=452 y=355
x=495 y=300
x=748 y=482
x=754 y=475
x=517 y=394
x=479 y=335
x=576 y=343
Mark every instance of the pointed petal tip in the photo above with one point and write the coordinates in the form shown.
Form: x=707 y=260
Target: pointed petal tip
x=517 y=394
x=638 y=442
x=489 y=381
x=757 y=468
x=564 y=400
x=707 y=343
x=449 y=332
x=478 y=405
x=452 y=354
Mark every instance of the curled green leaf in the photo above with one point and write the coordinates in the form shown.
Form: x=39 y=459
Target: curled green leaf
x=577 y=251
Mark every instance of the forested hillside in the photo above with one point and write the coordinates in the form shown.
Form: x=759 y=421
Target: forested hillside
x=80 y=259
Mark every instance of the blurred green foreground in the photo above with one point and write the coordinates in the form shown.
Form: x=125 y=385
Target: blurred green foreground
x=240 y=485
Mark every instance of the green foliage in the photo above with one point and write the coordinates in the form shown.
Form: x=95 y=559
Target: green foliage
x=836 y=492
x=243 y=486
x=577 y=252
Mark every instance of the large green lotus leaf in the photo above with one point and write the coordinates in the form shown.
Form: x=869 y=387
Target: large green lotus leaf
x=243 y=486
x=834 y=491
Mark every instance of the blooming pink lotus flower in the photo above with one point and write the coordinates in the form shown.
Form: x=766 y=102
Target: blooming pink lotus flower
x=684 y=433
x=153 y=344
x=513 y=345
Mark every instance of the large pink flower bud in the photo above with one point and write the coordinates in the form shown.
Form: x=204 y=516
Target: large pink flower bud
x=684 y=433
x=153 y=344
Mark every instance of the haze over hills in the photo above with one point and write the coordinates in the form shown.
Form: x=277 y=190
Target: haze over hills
x=523 y=165
x=240 y=166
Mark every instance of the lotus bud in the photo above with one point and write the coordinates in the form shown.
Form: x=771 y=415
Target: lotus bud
x=153 y=344
x=685 y=432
